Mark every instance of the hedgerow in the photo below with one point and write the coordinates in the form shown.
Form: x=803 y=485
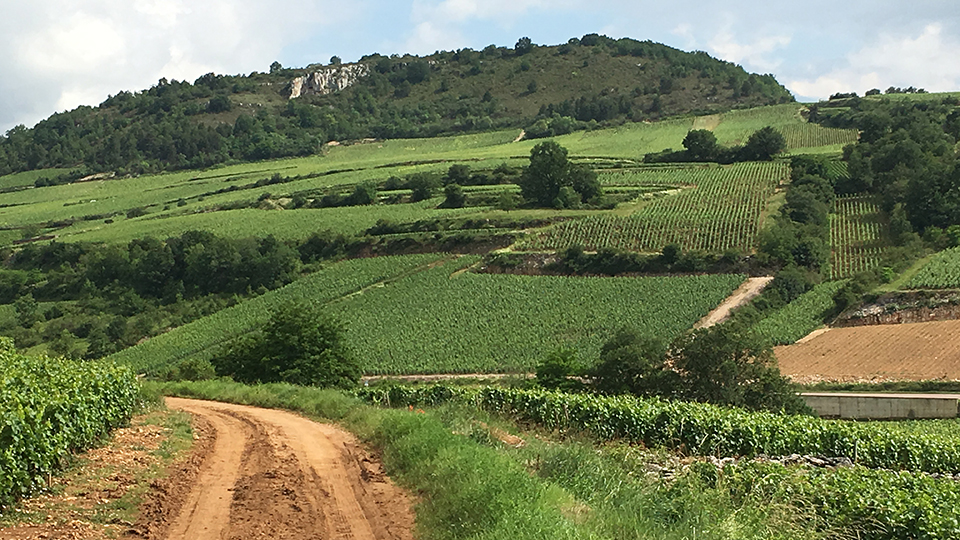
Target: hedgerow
x=52 y=407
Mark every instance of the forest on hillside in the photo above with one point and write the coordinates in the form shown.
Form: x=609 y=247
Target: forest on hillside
x=550 y=90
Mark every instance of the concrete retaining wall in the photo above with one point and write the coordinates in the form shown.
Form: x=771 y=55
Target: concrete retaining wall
x=883 y=406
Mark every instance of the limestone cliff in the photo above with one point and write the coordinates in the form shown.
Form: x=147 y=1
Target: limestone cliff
x=328 y=80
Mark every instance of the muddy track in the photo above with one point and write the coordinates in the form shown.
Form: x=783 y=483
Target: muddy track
x=273 y=474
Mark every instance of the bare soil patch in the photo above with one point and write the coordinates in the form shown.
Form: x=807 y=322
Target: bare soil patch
x=99 y=497
x=917 y=351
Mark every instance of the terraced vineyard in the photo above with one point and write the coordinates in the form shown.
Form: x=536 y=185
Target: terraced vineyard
x=716 y=209
x=815 y=135
x=942 y=272
x=856 y=236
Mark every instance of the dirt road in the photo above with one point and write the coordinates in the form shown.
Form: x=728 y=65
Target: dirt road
x=750 y=289
x=273 y=474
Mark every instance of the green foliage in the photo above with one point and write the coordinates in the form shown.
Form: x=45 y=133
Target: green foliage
x=763 y=145
x=454 y=197
x=942 y=272
x=543 y=181
x=299 y=344
x=204 y=335
x=52 y=407
x=440 y=320
x=857 y=235
x=633 y=363
x=701 y=145
x=702 y=429
x=800 y=317
x=191 y=369
x=727 y=364
x=699 y=208
x=556 y=368
x=218 y=119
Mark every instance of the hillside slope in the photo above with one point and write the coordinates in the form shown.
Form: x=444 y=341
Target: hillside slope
x=217 y=119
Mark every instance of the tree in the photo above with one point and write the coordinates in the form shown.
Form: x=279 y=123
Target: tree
x=335 y=60
x=763 y=145
x=523 y=46
x=555 y=370
x=299 y=345
x=550 y=171
x=454 y=196
x=423 y=186
x=275 y=67
x=632 y=363
x=727 y=364
x=701 y=145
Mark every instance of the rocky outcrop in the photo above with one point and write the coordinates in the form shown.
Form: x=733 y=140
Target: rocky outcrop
x=328 y=80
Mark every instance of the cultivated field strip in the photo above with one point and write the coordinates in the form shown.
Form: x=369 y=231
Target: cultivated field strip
x=814 y=135
x=856 y=236
x=719 y=209
x=441 y=321
x=942 y=272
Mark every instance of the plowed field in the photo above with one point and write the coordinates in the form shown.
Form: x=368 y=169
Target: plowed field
x=917 y=351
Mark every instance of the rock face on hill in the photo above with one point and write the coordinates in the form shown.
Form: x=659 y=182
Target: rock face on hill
x=328 y=80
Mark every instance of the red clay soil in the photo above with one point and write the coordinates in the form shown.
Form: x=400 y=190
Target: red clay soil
x=273 y=474
x=919 y=351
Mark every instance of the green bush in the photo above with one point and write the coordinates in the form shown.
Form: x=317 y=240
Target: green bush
x=298 y=345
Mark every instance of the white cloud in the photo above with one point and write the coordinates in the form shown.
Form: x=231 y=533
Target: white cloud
x=75 y=45
x=58 y=54
x=925 y=61
x=755 y=54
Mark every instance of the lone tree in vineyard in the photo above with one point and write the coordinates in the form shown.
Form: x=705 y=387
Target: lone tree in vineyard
x=543 y=181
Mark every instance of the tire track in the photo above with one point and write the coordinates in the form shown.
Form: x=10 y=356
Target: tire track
x=273 y=474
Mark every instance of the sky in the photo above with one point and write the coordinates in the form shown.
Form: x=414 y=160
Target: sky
x=58 y=54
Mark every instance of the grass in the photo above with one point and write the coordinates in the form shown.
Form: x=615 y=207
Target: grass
x=474 y=485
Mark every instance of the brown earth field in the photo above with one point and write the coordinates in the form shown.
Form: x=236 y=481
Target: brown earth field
x=917 y=351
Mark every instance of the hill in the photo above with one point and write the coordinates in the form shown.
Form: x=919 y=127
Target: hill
x=586 y=82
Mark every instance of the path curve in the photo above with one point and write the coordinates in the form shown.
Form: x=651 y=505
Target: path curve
x=274 y=474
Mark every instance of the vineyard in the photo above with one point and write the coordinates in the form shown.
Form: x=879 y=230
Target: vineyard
x=50 y=408
x=417 y=314
x=800 y=317
x=441 y=321
x=815 y=135
x=203 y=335
x=720 y=210
x=942 y=272
x=856 y=236
x=703 y=429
